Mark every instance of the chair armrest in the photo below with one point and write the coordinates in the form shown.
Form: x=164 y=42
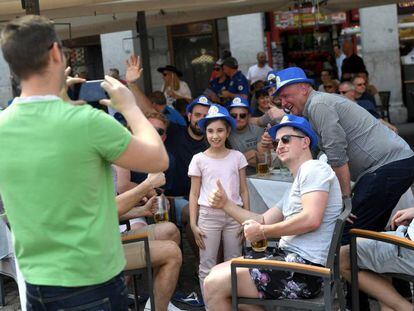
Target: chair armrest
x=134 y=237
x=281 y=265
x=379 y=236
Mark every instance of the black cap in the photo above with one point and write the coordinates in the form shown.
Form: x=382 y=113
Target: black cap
x=231 y=62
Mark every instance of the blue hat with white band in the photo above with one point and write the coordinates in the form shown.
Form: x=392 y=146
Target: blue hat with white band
x=239 y=102
x=217 y=112
x=299 y=123
x=200 y=100
x=288 y=76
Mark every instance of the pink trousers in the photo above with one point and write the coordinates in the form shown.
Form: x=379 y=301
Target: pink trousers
x=217 y=226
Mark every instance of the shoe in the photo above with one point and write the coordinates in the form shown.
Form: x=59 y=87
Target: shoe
x=171 y=307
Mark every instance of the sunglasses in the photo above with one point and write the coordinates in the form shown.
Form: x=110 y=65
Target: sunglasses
x=285 y=139
x=165 y=74
x=360 y=84
x=217 y=68
x=160 y=131
x=239 y=115
x=343 y=92
x=329 y=86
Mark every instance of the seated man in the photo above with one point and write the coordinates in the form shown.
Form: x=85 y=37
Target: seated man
x=159 y=103
x=347 y=89
x=380 y=257
x=165 y=254
x=304 y=220
x=246 y=136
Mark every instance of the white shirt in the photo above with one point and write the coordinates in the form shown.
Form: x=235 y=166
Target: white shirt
x=339 y=61
x=183 y=91
x=256 y=73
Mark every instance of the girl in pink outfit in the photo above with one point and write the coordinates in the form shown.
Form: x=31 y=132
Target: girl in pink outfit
x=211 y=225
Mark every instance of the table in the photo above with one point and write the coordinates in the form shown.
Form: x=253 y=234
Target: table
x=265 y=191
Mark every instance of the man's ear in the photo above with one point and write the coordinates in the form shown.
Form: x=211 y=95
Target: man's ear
x=56 y=53
x=307 y=142
x=189 y=116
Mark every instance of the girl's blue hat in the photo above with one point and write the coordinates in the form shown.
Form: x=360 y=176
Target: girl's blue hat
x=217 y=112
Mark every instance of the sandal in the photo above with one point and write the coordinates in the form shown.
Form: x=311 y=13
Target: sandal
x=191 y=300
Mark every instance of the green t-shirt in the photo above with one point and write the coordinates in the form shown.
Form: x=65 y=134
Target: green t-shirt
x=58 y=193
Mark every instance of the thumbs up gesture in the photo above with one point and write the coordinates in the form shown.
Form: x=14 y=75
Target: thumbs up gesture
x=218 y=197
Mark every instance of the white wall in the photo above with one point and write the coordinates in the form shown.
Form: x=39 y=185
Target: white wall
x=5 y=83
x=246 y=38
x=380 y=50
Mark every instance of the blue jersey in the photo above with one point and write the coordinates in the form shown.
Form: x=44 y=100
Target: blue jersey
x=217 y=86
x=238 y=84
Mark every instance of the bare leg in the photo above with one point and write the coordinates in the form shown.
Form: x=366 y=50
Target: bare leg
x=167 y=231
x=217 y=288
x=375 y=285
x=166 y=261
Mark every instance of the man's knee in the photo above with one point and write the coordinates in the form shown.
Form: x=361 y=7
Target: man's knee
x=167 y=231
x=165 y=252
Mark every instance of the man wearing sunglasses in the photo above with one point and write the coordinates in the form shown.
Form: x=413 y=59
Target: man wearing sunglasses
x=218 y=84
x=304 y=220
x=358 y=147
x=246 y=136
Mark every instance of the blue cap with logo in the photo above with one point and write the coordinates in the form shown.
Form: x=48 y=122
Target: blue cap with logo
x=289 y=76
x=299 y=123
x=239 y=102
x=217 y=112
x=200 y=100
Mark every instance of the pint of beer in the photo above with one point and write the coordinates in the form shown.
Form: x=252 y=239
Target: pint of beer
x=259 y=246
x=161 y=215
x=262 y=165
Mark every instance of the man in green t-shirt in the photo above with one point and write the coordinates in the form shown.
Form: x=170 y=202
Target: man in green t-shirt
x=55 y=175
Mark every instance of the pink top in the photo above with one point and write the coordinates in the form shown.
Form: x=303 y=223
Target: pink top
x=226 y=169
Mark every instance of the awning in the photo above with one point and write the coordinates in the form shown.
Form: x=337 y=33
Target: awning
x=92 y=17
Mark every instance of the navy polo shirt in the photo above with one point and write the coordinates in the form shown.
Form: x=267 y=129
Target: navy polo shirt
x=217 y=86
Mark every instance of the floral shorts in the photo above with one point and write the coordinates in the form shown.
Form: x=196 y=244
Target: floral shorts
x=276 y=284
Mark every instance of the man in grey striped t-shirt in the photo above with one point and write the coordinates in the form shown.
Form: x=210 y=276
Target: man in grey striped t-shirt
x=358 y=147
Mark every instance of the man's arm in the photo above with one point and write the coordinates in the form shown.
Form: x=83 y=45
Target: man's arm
x=145 y=151
x=344 y=178
x=402 y=217
x=133 y=74
x=250 y=156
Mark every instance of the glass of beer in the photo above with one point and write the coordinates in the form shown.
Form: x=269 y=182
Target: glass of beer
x=262 y=164
x=259 y=246
x=161 y=215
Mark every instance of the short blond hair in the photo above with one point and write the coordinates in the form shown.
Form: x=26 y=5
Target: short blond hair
x=159 y=116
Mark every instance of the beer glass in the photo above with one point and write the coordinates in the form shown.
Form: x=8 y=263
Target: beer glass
x=262 y=163
x=161 y=215
x=259 y=246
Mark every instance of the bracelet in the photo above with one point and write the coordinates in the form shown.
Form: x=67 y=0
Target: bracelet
x=263 y=233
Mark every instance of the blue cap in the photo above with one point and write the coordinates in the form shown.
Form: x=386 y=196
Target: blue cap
x=270 y=79
x=291 y=75
x=217 y=112
x=239 y=102
x=299 y=123
x=200 y=100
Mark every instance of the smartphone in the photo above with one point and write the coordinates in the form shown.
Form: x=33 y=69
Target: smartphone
x=91 y=91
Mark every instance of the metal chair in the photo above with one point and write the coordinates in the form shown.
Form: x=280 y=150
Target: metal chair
x=329 y=273
x=142 y=237
x=385 y=104
x=378 y=236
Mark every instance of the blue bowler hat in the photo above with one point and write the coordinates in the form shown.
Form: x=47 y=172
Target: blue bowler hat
x=289 y=76
x=239 y=102
x=270 y=79
x=200 y=100
x=299 y=123
x=217 y=112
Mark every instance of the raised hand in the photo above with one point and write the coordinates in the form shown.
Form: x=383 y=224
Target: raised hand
x=133 y=70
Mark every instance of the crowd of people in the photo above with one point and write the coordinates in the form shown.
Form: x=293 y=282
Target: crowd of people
x=69 y=173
